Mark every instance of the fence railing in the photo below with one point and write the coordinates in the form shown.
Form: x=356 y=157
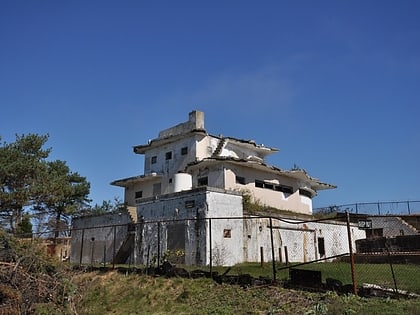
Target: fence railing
x=330 y=254
x=375 y=208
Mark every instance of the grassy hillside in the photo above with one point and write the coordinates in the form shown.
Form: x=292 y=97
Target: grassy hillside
x=116 y=293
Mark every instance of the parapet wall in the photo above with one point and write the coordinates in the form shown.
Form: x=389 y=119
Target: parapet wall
x=195 y=122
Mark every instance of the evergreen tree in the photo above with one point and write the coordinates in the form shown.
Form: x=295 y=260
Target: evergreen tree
x=20 y=173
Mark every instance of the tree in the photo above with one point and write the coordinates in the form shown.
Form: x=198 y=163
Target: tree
x=24 y=227
x=31 y=183
x=63 y=194
x=108 y=206
x=20 y=173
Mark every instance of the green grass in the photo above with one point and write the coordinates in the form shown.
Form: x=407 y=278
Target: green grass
x=115 y=293
x=407 y=276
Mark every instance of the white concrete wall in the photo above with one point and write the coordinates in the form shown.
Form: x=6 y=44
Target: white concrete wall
x=392 y=226
x=300 y=239
x=227 y=234
x=208 y=204
x=267 y=197
x=174 y=207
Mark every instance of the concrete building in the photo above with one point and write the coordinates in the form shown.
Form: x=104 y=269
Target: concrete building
x=186 y=156
x=190 y=200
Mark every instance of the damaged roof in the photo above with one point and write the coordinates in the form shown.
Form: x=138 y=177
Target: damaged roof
x=300 y=174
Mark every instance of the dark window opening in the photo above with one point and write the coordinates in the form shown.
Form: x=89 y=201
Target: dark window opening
x=227 y=233
x=268 y=185
x=139 y=194
x=203 y=181
x=305 y=193
x=154 y=159
x=168 y=155
x=372 y=233
x=285 y=189
x=240 y=180
x=156 y=189
x=189 y=204
x=321 y=246
x=170 y=180
x=259 y=184
x=184 y=150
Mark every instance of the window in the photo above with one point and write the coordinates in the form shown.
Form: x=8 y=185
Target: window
x=168 y=155
x=203 y=181
x=259 y=184
x=372 y=233
x=227 y=233
x=321 y=246
x=285 y=189
x=268 y=185
x=154 y=159
x=184 y=151
x=138 y=194
x=305 y=193
x=240 y=180
x=156 y=189
x=189 y=204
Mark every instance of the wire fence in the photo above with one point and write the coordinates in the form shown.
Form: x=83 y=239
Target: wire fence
x=375 y=255
x=375 y=208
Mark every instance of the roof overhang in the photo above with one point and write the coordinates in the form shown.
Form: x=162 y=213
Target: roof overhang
x=135 y=180
x=314 y=183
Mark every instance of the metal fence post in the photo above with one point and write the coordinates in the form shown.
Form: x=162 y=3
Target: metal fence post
x=104 y=254
x=158 y=245
x=353 y=276
x=114 y=246
x=273 y=258
x=81 y=247
x=210 y=250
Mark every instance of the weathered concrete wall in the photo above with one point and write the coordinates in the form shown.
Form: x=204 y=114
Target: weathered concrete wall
x=392 y=226
x=165 y=216
x=299 y=240
x=180 y=222
x=195 y=121
x=268 y=197
x=154 y=236
x=226 y=234
x=92 y=239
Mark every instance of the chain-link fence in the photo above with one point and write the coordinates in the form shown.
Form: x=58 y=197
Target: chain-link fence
x=379 y=254
x=375 y=208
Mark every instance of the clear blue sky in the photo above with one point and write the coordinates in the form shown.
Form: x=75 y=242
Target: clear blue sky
x=334 y=85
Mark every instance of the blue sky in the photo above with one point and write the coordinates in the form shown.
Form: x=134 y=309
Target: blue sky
x=335 y=85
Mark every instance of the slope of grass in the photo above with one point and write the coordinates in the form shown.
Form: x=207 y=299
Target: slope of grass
x=115 y=293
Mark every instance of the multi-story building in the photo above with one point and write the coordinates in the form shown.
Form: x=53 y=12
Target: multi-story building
x=190 y=200
x=186 y=156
